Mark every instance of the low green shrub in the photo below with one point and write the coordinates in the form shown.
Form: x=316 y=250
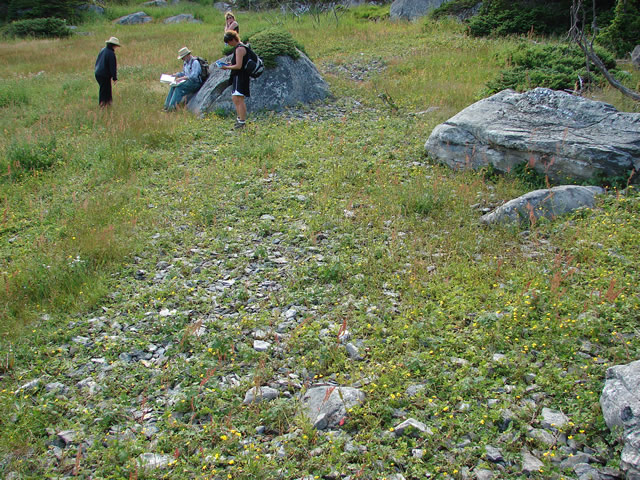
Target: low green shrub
x=22 y=157
x=32 y=9
x=500 y=18
x=39 y=28
x=454 y=8
x=552 y=66
x=371 y=12
x=272 y=43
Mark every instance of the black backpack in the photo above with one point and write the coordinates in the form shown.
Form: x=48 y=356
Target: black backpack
x=254 y=66
x=204 y=69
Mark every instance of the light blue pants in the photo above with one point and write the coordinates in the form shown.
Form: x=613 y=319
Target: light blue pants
x=177 y=93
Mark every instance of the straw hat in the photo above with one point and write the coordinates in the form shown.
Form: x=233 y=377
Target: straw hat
x=184 y=51
x=113 y=41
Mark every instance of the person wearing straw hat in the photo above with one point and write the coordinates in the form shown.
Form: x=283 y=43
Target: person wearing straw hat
x=187 y=81
x=106 y=69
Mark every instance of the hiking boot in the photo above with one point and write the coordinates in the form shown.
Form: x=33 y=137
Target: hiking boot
x=239 y=125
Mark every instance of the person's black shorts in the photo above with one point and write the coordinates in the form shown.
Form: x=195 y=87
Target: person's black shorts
x=240 y=85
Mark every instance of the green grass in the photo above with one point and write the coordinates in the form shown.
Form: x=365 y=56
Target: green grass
x=375 y=236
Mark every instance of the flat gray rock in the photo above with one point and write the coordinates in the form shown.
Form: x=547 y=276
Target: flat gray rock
x=547 y=203
x=412 y=9
x=411 y=425
x=530 y=464
x=257 y=395
x=90 y=7
x=155 y=3
x=553 y=419
x=261 y=345
x=326 y=406
x=584 y=471
x=222 y=6
x=182 y=18
x=133 y=19
x=151 y=461
x=291 y=82
x=568 y=139
x=620 y=403
x=482 y=474
x=493 y=454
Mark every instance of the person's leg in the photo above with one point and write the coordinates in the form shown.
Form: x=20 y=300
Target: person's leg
x=104 y=95
x=183 y=89
x=168 y=103
x=241 y=107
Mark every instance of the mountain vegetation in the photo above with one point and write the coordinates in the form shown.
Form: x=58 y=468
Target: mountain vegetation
x=155 y=268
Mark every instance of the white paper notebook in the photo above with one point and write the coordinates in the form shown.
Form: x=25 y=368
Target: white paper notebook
x=170 y=79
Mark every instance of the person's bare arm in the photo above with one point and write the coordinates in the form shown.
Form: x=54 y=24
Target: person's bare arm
x=240 y=53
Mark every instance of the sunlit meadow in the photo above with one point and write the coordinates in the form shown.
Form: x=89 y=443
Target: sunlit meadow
x=379 y=241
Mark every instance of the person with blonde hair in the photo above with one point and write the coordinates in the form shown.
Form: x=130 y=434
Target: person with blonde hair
x=230 y=22
x=105 y=70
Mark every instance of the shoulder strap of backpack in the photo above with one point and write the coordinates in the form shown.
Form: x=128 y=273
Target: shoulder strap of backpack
x=251 y=53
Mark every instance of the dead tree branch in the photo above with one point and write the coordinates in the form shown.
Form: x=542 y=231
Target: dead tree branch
x=577 y=34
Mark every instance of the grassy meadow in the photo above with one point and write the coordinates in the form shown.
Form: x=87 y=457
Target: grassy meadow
x=376 y=239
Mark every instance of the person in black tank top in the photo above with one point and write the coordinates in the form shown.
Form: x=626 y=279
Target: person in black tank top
x=240 y=79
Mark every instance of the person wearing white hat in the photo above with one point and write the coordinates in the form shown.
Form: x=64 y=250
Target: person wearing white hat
x=187 y=81
x=106 y=69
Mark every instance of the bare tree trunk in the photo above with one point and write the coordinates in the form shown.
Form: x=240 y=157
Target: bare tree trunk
x=576 y=33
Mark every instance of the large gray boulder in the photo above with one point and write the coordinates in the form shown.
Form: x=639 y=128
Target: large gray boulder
x=133 y=19
x=620 y=403
x=412 y=9
x=567 y=138
x=222 y=6
x=90 y=7
x=290 y=83
x=635 y=56
x=182 y=18
x=326 y=405
x=547 y=203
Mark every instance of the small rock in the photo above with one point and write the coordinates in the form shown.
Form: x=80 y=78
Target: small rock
x=54 y=387
x=543 y=436
x=413 y=390
x=152 y=461
x=553 y=419
x=482 y=474
x=530 y=464
x=411 y=423
x=30 y=386
x=326 y=406
x=353 y=351
x=571 y=461
x=494 y=455
x=261 y=346
x=584 y=471
x=260 y=394
x=67 y=436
